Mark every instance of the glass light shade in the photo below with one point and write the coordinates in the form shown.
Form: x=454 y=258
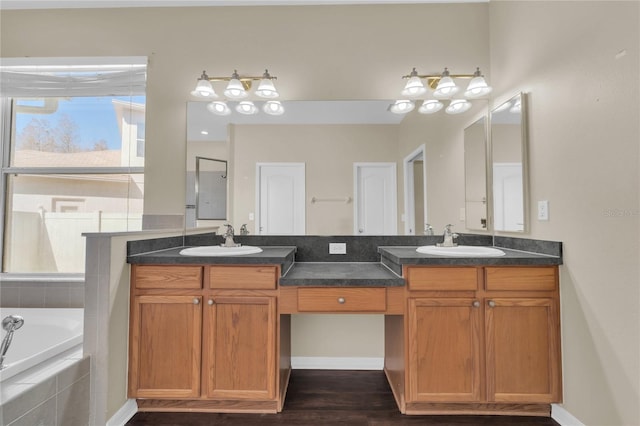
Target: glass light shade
x=477 y=87
x=246 y=108
x=458 y=106
x=266 y=89
x=204 y=89
x=402 y=107
x=273 y=108
x=235 y=90
x=414 y=87
x=446 y=88
x=430 y=106
x=219 y=108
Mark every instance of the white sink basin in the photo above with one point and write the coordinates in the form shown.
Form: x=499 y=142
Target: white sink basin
x=461 y=251
x=220 y=251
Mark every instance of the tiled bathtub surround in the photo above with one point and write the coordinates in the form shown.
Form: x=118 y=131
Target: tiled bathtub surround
x=32 y=291
x=55 y=393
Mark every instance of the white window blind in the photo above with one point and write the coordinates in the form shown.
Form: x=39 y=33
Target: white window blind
x=104 y=76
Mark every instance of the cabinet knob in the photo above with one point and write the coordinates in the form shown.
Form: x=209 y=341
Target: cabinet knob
x=476 y=304
x=341 y=300
x=210 y=302
x=196 y=301
x=491 y=304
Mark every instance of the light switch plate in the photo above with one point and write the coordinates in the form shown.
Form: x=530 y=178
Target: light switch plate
x=337 y=248
x=543 y=210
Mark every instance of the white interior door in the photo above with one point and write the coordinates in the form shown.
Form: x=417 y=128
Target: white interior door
x=281 y=195
x=507 y=197
x=375 y=195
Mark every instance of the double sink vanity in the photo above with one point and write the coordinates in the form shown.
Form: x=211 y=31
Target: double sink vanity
x=467 y=331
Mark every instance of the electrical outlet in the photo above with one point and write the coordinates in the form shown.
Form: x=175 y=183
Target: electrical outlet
x=462 y=214
x=337 y=248
x=251 y=216
x=543 y=210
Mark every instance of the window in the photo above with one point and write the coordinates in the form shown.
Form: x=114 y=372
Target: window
x=72 y=159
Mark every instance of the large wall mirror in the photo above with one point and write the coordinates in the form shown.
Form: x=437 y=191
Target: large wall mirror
x=509 y=165
x=475 y=175
x=333 y=136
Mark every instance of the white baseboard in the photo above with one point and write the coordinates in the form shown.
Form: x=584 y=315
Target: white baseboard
x=336 y=363
x=562 y=416
x=124 y=414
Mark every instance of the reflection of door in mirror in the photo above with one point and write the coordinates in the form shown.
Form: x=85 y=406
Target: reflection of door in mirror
x=375 y=199
x=281 y=198
x=415 y=193
x=508 y=142
x=475 y=175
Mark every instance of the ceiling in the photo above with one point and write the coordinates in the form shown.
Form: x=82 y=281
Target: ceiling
x=69 y=4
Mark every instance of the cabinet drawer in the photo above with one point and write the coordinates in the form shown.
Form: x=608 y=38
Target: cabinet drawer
x=521 y=278
x=243 y=277
x=178 y=277
x=436 y=278
x=342 y=299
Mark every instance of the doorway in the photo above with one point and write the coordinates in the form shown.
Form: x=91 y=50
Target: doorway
x=375 y=195
x=280 y=198
x=415 y=192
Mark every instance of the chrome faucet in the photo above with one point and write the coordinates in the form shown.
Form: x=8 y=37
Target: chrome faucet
x=448 y=237
x=228 y=237
x=428 y=229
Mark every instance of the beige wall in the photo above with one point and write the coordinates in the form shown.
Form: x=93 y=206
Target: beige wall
x=584 y=158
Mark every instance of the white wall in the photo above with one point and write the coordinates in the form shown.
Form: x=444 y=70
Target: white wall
x=584 y=158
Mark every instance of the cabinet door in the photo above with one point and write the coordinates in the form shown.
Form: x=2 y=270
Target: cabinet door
x=444 y=350
x=165 y=344
x=240 y=347
x=523 y=350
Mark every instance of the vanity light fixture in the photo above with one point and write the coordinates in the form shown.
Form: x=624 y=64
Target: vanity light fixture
x=444 y=87
x=402 y=106
x=237 y=89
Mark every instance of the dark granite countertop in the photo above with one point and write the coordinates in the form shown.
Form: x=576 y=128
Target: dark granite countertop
x=283 y=256
x=341 y=274
x=395 y=257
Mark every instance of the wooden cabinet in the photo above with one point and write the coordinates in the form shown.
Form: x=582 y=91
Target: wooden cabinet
x=241 y=347
x=493 y=341
x=164 y=358
x=444 y=349
x=204 y=338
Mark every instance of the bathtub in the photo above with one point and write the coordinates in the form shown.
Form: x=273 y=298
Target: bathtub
x=46 y=333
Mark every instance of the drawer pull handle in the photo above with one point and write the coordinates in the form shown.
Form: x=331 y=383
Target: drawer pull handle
x=476 y=304
x=196 y=301
x=492 y=304
x=210 y=302
x=341 y=300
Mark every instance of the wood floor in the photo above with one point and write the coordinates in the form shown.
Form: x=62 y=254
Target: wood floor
x=324 y=397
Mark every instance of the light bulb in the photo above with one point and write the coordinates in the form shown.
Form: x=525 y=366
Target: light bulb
x=477 y=86
x=219 y=108
x=446 y=87
x=246 y=108
x=430 y=106
x=273 y=108
x=204 y=89
x=402 y=106
x=235 y=89
x=458 y=106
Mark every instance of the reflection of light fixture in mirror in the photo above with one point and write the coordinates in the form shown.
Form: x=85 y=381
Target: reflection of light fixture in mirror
x=246 y=108
x=402 y=106
x=204 y=89
x=458 y=106
x=477 y=86
x=446 y=86
x=235 y=89
x=414 y=86
x=273 y=108
x=266 y=89
x=430 y=106
x=219 y=108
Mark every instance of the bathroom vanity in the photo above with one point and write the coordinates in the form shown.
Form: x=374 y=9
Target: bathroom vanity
x=462 y=335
